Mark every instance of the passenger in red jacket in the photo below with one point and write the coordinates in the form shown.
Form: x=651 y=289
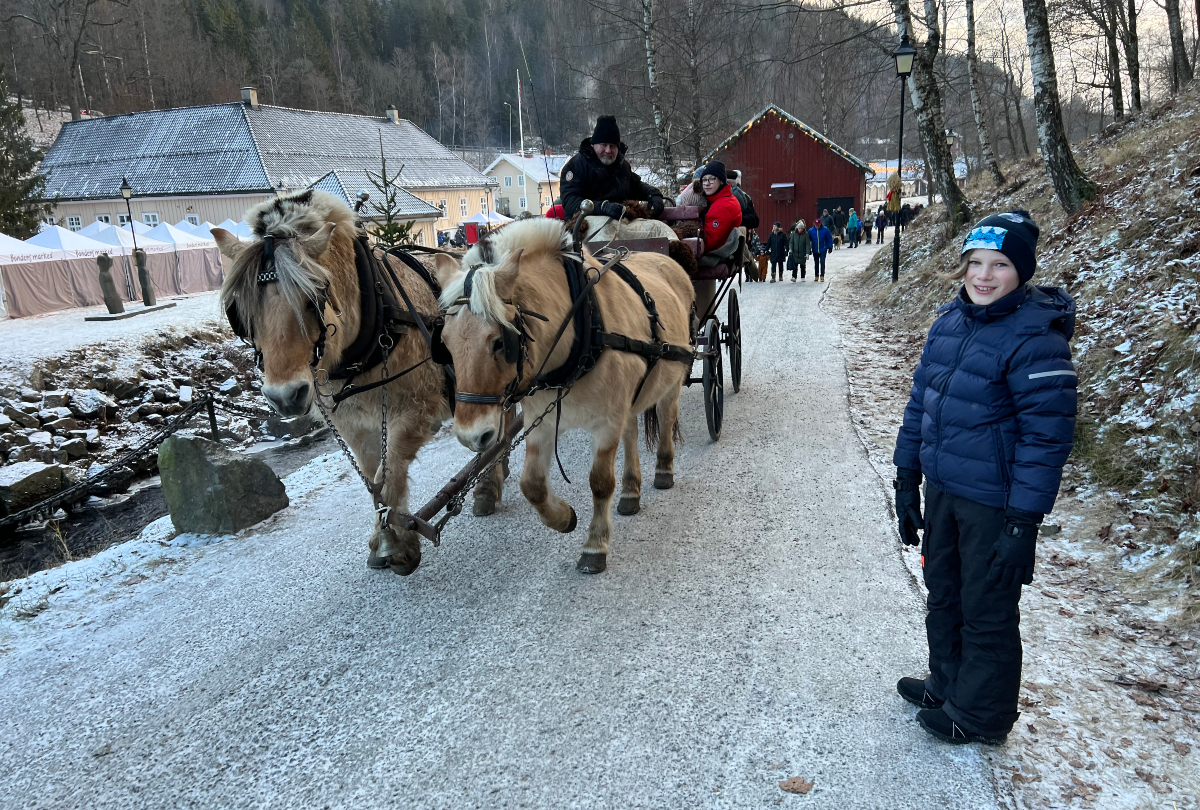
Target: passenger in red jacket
x=724 y=211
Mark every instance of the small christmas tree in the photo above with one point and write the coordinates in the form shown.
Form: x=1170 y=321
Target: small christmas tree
x=387 y=227
x=21 y=186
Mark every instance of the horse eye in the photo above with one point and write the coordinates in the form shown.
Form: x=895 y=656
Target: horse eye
x=498 y=345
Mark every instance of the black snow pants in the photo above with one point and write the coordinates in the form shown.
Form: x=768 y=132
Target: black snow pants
x=973 y=626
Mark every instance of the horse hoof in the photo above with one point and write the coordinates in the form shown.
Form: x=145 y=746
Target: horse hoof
x=664 y=480
x=574 y=521
x=591 y=563
x=629 y=505
x=406 y=561
x=483 y=507
x=376 y=562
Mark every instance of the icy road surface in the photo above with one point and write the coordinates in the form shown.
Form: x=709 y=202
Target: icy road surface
x=750 y=627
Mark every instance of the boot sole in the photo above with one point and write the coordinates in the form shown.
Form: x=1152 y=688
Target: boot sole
x=970 y=738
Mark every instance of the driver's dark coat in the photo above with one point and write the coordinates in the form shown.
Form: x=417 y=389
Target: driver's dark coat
x=586 y=178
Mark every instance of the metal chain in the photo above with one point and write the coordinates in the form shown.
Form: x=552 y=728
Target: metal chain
x=242 y=410
x=337 y=435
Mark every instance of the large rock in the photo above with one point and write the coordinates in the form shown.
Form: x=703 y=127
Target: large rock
x=25 y=483
x=21 y=418
x=212 y=490
x=91 y=404
x=55 y=399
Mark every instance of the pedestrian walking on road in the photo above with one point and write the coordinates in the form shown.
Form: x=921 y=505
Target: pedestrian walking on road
x=777 y=243
x=822 y=242
x=852 y=227
x=989 y=425
x=827 y=220
x=799 y=246
x=880 y=224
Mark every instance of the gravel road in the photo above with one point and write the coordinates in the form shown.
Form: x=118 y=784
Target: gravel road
x=750 y=627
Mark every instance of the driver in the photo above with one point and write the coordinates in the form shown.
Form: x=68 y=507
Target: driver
x=599 y=172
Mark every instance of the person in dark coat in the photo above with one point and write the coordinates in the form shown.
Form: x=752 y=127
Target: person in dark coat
x=777 y=244
x=880 y=224
x=599 y=172
x=827 y=220
x=989 y=425
x=799 y=246
x=822 y=243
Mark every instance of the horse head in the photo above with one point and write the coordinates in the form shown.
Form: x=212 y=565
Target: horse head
x=283 y=290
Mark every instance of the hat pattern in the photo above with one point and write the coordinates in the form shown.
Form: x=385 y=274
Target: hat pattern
x=986 y=237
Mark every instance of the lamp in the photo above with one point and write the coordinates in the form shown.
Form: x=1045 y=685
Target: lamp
x=127 y=193
x=951 y=137
x=904 y=56
x=126 y=189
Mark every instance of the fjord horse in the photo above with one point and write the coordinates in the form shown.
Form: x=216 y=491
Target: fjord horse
x=521 y=266
x=313 y=280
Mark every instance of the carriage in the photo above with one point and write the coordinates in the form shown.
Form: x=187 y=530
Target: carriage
x=708 y=332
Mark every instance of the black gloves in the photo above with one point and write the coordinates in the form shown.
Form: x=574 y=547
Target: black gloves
x=908 y=505
x=656 y=207
x=610 y=209
x=1012 y=559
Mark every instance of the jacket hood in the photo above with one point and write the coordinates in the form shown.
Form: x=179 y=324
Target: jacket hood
x=1037 y=309
x=585 y=147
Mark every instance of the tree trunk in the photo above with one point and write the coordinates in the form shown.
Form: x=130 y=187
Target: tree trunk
x=146 y=58
x=1179 y=58
x=1114 y=65
x=927 y=104
x=1010 y=86
x=660 y=125
x=985 y=141
x=1127 y=25
x=1071 y=185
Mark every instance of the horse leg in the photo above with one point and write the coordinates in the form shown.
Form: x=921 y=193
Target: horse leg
x=398 y=549
x=603 y=480
x=668 y=416
x=631 y=480
x=489 y=490
x=535 y=482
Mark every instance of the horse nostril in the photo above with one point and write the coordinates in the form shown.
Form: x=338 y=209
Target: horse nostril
x=485 y=438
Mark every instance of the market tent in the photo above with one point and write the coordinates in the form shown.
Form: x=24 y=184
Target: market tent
x=94 y=228
x=14 y=250
x=40 y=278
x=197 y=260
x=203 y=230
x=238 y=229
x=123 y=238
x=478 y=219
x=496 y=218
x=57 y=237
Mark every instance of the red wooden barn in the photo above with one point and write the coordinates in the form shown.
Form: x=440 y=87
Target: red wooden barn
x=791 y=171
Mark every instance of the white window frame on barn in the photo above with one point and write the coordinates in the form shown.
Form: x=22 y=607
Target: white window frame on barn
x=150 y=218
x=74 y=223
x=105 y=218
x=521 y=203
x=192 y=219
x=462 y=206
x=508 y=181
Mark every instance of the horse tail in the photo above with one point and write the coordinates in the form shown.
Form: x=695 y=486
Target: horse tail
x=650 y=422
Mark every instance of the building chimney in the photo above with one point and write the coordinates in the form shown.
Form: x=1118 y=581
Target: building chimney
x=393 y=114
x=250 y=97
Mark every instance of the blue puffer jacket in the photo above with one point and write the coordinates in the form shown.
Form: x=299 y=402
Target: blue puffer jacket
x=992 y=412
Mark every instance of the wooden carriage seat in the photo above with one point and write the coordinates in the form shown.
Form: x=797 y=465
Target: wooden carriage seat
x=684 y=213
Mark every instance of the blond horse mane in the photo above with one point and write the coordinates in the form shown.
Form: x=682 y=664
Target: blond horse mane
x=289 y=218
x=533 y=237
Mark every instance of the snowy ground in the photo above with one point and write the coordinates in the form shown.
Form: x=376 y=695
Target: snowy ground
x=1110 y=710
x=55 y=334
x=750 y=628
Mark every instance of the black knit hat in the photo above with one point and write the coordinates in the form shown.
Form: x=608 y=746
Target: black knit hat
x=606 y=130
x=1014 y=234
x=717 y=169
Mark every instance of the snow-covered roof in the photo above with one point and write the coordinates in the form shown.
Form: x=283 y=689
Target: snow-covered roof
x=234 y=149
x=796 y=122
x=535 y=166
x=345 y=185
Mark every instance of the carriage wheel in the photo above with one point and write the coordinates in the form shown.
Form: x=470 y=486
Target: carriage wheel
x=714 y=381
x=733 y=341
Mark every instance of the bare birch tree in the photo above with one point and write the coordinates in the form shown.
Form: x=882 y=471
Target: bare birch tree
x=660 y=124
x=985 y=141
x=1181 y=72
x=1071 y=185
x=928 y=106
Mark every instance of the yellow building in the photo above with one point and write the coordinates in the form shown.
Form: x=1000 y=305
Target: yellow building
x=525 y=182
x=213 y=162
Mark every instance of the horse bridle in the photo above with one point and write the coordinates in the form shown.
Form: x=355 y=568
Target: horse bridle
x=268 y=274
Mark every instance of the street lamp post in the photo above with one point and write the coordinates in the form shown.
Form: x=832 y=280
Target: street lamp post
x=904 y=62
x=127 y=192
x=951 y=137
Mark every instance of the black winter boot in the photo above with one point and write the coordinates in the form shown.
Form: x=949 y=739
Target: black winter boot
x=939 y=724
x=913 y=690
